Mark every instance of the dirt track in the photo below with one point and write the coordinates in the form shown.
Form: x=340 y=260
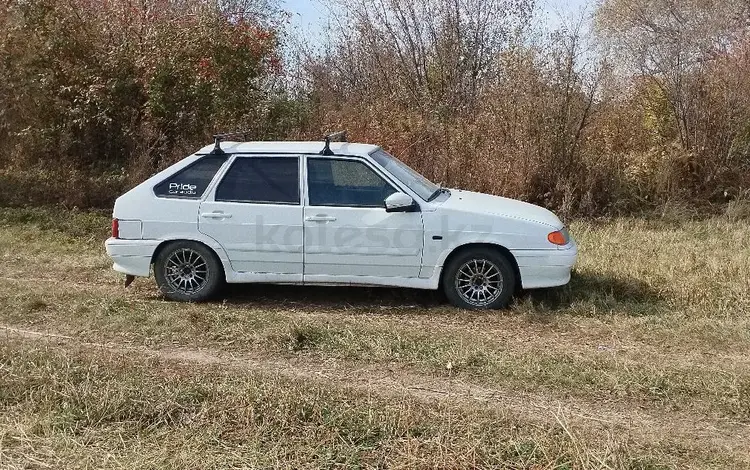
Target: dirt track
x=603 y=417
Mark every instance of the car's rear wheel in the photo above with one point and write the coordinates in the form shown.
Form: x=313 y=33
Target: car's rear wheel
x=479 y=279
x=187 y=271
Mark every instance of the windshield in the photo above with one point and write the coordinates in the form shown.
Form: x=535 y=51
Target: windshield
x=416 y=182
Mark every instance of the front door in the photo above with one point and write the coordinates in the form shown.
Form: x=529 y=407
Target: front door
x=349 y=237
x=255 y=213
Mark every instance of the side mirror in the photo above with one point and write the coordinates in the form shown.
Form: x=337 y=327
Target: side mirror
x=400 y=202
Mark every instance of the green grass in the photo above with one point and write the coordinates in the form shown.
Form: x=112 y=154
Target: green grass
x=652 y=333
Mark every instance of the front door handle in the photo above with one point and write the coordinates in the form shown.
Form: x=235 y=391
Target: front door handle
x=216 y=215
x=320 y=218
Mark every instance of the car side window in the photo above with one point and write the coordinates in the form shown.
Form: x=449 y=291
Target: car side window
x=269 y=180
x=347 y=183
x=191 y=182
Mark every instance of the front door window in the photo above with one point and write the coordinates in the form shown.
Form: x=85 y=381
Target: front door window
x=345 y=183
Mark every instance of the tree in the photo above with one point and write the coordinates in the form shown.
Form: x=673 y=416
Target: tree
x=669 y=41
x=93 y=86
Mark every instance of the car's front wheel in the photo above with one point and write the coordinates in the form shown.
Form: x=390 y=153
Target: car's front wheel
x=187 y=271
x=479 y=279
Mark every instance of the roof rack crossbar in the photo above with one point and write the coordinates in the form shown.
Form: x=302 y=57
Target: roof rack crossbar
x=220 y=137
x=335 y=137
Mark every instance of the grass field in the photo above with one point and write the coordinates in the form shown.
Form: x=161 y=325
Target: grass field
x=643 y=361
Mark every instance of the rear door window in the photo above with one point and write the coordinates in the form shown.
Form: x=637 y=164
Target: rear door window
x=263 y=180
x=191 y=182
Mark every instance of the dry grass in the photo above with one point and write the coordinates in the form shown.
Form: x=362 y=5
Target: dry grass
x=82 y=409
x=641 y=362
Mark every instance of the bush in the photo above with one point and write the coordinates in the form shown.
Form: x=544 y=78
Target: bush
x=98 y=93
x=97 y=96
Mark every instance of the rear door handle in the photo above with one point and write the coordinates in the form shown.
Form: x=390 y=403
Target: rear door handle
x=320 y=218
x=216 y=215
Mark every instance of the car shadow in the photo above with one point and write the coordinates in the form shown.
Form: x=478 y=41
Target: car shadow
x=330 y=297
x=591 y=293
x=587 y=294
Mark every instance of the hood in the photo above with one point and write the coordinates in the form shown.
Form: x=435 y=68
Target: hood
x=479 y=203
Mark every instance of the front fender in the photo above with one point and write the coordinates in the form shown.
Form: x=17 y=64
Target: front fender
x=449 y=230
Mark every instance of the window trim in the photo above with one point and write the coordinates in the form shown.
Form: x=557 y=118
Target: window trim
x=367 y=158
x=186 y=168
x=362 y=160
x=237 y=158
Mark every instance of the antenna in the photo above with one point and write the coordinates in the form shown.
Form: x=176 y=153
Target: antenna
x=335 y=137
x=219 y=137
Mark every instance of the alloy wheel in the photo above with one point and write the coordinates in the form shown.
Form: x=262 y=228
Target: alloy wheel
x=479 y=282
x=186 y=271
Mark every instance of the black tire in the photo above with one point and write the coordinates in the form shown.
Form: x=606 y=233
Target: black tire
x=480 y=291
x=188 y=272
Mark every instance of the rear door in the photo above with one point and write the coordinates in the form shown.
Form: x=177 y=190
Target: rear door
x=255 y=213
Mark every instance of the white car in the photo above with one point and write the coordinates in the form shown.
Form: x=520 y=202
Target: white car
x=332 y=213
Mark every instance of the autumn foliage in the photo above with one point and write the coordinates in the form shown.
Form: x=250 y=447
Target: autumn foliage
x=101 y=93
x=645 y=104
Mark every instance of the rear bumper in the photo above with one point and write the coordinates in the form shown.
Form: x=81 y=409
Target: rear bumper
x=131 y=256
x=546 y=268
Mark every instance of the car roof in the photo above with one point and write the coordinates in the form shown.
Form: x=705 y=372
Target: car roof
x=338 y=148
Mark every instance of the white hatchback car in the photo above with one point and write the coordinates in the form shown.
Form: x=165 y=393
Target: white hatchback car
x=349 y=214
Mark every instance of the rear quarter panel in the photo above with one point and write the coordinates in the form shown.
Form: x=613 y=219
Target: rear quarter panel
x=165 y=219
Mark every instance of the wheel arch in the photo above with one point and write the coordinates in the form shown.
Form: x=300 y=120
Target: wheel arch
x=164 y=244
x=457 y=251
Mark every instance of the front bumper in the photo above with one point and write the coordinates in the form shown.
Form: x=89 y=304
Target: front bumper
x=546 y=268
x=131 y=257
